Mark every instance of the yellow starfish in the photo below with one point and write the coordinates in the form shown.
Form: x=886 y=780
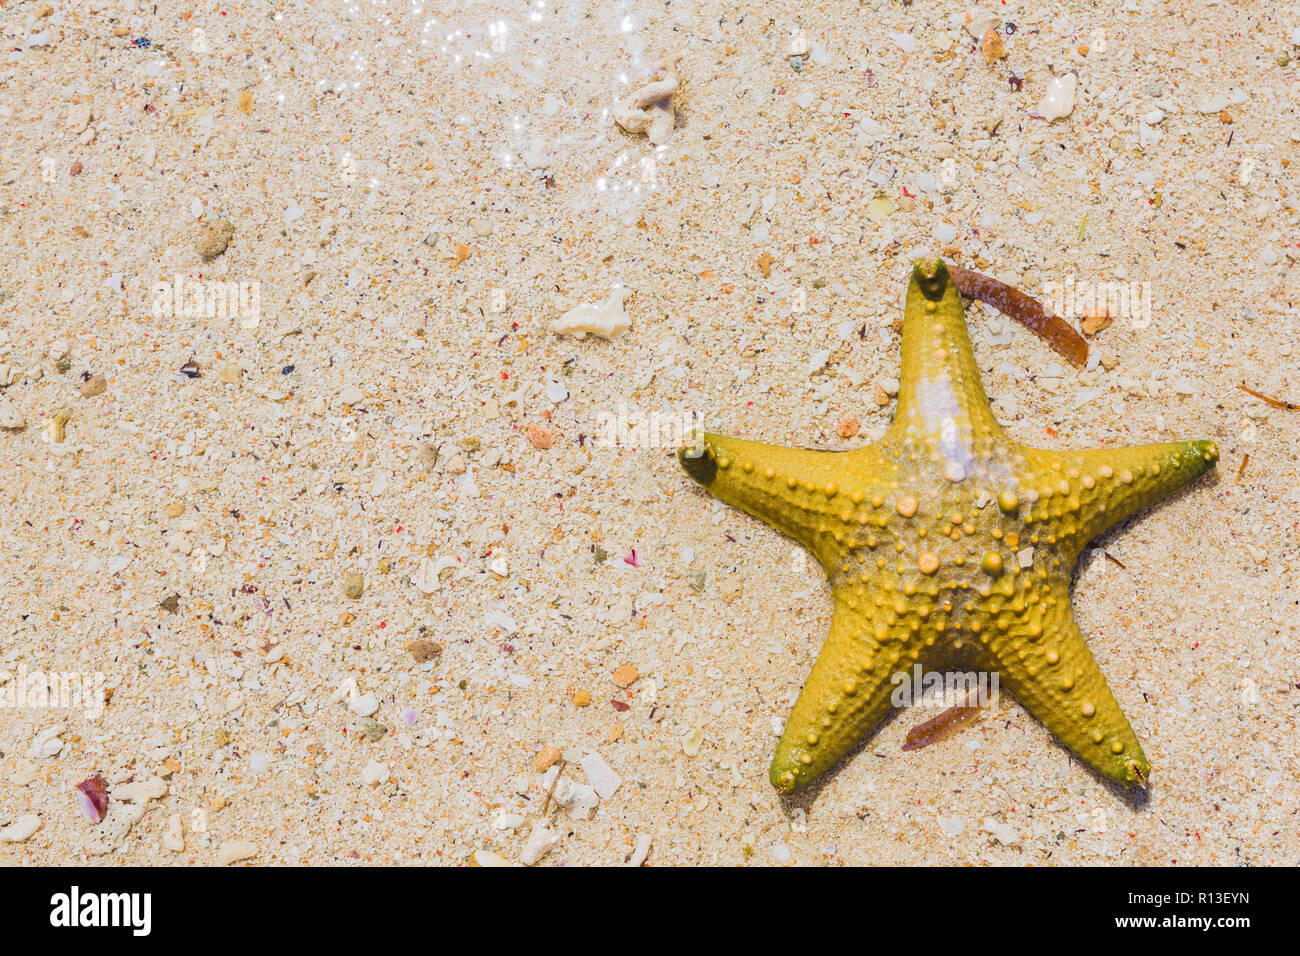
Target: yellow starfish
x=947 y=545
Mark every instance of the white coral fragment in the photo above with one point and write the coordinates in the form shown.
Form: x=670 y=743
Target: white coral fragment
x=649 y=108
x=606 y=319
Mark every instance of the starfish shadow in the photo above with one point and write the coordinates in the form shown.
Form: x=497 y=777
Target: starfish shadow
x=806 y=797
x=1136 y=798
x=1210 y=480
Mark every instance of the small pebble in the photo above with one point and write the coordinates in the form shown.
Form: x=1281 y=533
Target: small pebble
x=951 y=825
x=546 y=758
x=424 y=651
x=20 y=829
x=174 y=837
x=540 y=437
x=905 y=41
x=179 y=543
x=354 y=585
x=692 y=740
x=879 y=209
x=363 y=705
x=374 y=773
x=213 y=239
x=1004 y=834
x=11 y=418
x=140 y=791
x=46 y=743
x=373 y=729
x=95 y=385
x=624 y=675
x=847 y=426
x=731 y=589
x=1094 y=320
x=232 y=851
x=581 y=698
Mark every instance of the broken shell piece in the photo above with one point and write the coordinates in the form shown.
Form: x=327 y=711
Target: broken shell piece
x=640 y=851
x=540 y=842
x=993 y=47
x=606 y=319
x=1058 y=101
x=56 y=428
x=975 y=22
x=578 y=799
x=426 y=578
x=649 y=108
x=92 y=797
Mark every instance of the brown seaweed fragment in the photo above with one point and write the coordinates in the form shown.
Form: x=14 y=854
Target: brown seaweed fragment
x=941 y=727
x=1275 y=402
x=1025 y=309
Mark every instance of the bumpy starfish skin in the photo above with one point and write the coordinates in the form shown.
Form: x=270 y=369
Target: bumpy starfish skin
x=922 y=534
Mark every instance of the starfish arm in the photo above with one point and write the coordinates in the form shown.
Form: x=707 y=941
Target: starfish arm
x=1079 y=495
x=941 y=397
x=795 y=490
x=847 y=693
x=1053 y=675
